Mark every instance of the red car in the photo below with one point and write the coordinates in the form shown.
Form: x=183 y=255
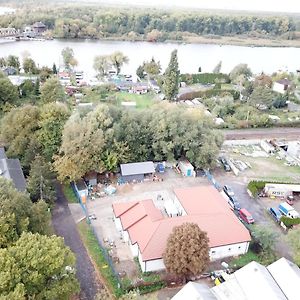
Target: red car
x=246 y=216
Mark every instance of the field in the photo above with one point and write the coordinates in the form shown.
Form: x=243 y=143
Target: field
x=142 y=101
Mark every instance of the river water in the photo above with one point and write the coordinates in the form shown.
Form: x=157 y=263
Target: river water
x=191 y=56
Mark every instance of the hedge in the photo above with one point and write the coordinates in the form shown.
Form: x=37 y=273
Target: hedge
x=209 y=94
x=289 y=222
x=256 y=186
x=204 y=78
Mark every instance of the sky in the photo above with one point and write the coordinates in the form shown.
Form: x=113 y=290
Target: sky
x=257 y=5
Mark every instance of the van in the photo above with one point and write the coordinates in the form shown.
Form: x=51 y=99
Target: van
x=246 y=216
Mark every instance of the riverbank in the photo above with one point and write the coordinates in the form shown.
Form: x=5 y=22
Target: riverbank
x=215 y=40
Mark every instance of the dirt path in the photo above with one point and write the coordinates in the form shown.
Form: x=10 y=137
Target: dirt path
x=65 y=226
x=267 y=133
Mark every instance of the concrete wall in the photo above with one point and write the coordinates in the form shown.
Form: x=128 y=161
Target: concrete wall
x=151 y=265
x=279 y=88
x=134 y=249
x=179 y=207
x=118 y=224
x=228 y=250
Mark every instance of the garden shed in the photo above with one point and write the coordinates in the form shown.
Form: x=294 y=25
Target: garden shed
x=137 y=171
x=186 y=168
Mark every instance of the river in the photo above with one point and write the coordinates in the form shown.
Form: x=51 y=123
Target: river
x=191 y=56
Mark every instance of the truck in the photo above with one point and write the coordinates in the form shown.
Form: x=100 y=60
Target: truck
x=288 y=210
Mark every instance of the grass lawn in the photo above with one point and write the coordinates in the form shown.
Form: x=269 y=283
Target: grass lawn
x=244 y=259
x=142 y=101
x=69 y=193
x=95 y=252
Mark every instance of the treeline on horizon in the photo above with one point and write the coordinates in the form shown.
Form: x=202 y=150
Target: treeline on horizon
x=80 y=21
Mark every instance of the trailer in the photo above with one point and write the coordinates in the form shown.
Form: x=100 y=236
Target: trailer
x=288 y=210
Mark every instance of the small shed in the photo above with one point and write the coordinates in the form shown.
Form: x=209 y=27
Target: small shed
x=186 y=168
x=81 y=190
x=136 y=171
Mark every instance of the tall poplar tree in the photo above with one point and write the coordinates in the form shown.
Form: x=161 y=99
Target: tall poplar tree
x=171 y=78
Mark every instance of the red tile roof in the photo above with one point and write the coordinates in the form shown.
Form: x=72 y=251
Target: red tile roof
x=203 y=205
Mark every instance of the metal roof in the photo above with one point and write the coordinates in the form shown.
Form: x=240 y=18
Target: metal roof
x=194 y=291
x=11 y=169
x=287 y=276
x=146 y=167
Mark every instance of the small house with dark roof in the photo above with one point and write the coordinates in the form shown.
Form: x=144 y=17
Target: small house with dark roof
x=39 y=28
x=11 y=169
x=282 y=85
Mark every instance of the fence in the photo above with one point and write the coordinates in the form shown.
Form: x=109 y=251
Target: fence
x=79 y=198
x=211 y=178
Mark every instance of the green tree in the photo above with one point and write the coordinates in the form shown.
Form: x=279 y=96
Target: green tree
x=187 y=250
x=140 y=71
x=54 y=69
x=16 y=214
x=45 y=73
x=18 y=128
x=3 y=62
x=39 y=266
x=118 y=59
x=217 y=68
x=8 y=92
x=68 y=58
x=171 y=78
x=240 y=69
x=102 y=64
x=152 y=68
x=40 y=181
x=29 y=66
x=13 y=61
x=52 y=91
x=294 y=241
x=53 y=117
x=266 y=238
x=27 y=88
x=262 y=96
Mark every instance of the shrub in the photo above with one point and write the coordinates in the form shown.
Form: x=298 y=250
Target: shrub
x=289 y=222
x=210 y=93
x=255 y=187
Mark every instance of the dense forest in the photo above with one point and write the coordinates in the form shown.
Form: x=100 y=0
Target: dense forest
x=91 y=21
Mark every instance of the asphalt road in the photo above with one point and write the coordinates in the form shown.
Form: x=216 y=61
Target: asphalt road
x=262 y=133
x=65 y=226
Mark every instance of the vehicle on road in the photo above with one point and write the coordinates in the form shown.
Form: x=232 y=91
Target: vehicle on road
x=288 y=210
x=228 y=190
x=234 y=203
x=225 y=164
x=246 y=216
x=275 y=213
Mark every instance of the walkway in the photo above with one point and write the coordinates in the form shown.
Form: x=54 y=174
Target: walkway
x=64 y=226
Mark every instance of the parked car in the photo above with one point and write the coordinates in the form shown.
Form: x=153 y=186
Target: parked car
x=234 y=203
x=290 y=200
x=275 y=213
x=228 y=190
x=225 y=164
x=246 y=216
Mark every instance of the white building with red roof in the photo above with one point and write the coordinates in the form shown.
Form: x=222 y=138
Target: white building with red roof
x=146 y=229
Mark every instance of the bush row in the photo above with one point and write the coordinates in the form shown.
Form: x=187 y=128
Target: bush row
x=209 y=93
x=289 y=222
x=205 y=78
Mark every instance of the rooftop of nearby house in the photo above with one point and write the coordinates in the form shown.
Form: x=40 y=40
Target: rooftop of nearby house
x=38 y=25
x=204 y=206
x=11 y=169
x=284 y=81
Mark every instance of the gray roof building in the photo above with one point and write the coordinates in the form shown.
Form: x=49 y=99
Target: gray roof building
x=11 y=169
x=136 y=171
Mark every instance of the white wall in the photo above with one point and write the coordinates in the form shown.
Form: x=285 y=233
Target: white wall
x=228 y=250
x=277 y=87
x=179 y=207
x=155 y=265
x=134 y=249
x=118 y=224
x=125 y=235
x=142 y=263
